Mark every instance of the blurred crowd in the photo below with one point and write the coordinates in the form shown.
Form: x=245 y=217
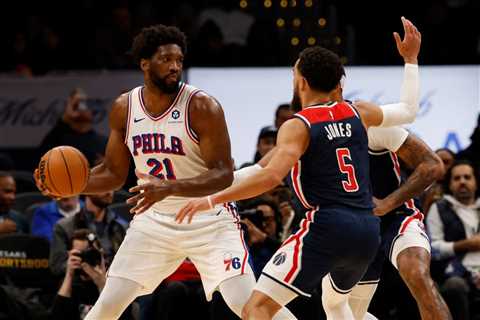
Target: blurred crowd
x=89 y=34
x=54 y=253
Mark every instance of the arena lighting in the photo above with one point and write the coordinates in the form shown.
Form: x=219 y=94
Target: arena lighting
x=243 y=4
x=267 y=3
x=284 y=3
x=296 y=22
x=294 y=41
x=311 y=41
x=322 y=22
x=338 y=40
x=308 y=3
x=280 y=22
x=343 y=60
x=293 y=3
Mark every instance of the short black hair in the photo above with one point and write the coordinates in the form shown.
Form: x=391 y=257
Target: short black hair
x=150 y=38
x=321 y=68
x=447 y=151
x=283 y=106
x=448 y=175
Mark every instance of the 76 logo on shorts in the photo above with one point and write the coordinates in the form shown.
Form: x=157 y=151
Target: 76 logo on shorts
x=230 y=262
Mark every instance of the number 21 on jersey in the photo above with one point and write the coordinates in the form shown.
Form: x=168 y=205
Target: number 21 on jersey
x=351 y=185
x=161 y=169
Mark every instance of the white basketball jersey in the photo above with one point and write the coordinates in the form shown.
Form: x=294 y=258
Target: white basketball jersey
x=164 y=146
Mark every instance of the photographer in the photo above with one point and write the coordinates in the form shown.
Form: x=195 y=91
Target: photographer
x=84 y=278
x=75 y=129
x=107 y=225
x=262 y=227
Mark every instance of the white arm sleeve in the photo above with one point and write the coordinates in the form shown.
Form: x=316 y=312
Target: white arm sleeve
x=244 y=173
x=391 y=138
x=406 y=110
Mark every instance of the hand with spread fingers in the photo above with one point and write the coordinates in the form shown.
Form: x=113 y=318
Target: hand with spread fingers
x=192 y=207
x=150 y=192
x=409 y=47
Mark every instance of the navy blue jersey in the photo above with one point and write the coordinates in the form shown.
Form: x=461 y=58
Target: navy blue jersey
x=386 y=177
x=334 y=170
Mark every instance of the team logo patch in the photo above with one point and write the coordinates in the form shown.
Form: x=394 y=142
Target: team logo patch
x=175 y=114
x=280 y=258
x=231 y=262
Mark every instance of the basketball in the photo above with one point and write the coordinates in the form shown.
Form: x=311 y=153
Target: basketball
x=64 y=171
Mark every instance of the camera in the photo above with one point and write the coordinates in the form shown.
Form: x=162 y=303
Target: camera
x=91 y=256
x=254 y=215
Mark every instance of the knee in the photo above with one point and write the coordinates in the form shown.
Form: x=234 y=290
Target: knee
x=254 y=310
x=414 y=270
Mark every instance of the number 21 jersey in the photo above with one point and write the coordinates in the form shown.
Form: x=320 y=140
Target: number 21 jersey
x=164 y=146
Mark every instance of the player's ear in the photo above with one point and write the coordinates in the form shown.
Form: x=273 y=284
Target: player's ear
x=144 y=64
x=303 y=85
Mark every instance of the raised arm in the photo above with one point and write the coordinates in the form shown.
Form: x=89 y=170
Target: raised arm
x=292 y=141
x=208 y=122
x=406 y=110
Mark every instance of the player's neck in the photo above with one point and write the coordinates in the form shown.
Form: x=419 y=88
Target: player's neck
x=319 y=98
x=157 y=101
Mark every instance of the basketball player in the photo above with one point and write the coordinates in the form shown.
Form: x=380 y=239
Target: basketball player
x=177 y=134
x=325 y=147
x=404 y=241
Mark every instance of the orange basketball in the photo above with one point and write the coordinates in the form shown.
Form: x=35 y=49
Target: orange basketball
x=64 y=171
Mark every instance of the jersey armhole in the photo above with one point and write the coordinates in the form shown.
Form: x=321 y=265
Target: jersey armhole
x=192 y=135
x=129 y=112
x=304 y=120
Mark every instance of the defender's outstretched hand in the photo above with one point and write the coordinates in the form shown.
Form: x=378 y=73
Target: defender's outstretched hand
x=153 y=190
x=193 y=207
x=409 y=47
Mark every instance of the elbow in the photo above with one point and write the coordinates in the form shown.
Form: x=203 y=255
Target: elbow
x=226 y=179
x=275 y=180
x=436 y=169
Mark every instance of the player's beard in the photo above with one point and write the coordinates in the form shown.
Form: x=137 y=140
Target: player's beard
x=163 y=85
x=296 y=103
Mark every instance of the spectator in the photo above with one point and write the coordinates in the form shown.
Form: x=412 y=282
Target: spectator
x=106 y=224
x=261 y=223
x=266 y=141
x=453 y=223
x=288 y=218
x=83 y=279
x=75 y=129
x=472 y=152
x=10 y=220
x=436 y=190
x=282 y=114
x=46 y=216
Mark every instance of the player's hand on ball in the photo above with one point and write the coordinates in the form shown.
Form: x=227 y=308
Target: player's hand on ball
x=42 y=187
x=191 y=208
x=153 y=190
x=409 y=47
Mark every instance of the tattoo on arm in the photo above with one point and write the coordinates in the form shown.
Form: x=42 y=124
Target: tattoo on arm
x=426 y=168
